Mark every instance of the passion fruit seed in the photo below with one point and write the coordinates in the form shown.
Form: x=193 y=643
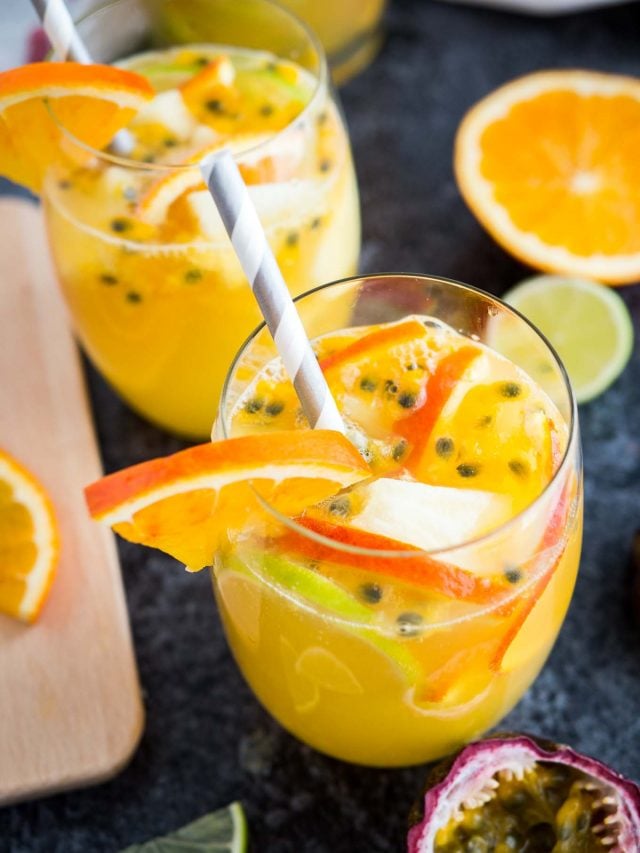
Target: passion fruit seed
x=371 y=592
x=445 y=447
x=516 y=792
x=293 y=238
x=274 y=408
x=325 y=165
x=519 y=468
x=108 y=279
x=399 y=449
x=214 y=105
x=390 y=387
x=267 y=110
x=510 y=389
x=64 y=185
x=409 y=624
x=368 y=384
x=193 y=275
x=407 y=400
x=513 y=574
x=120 y=225
x=134 y=297
x=484 y=421
x=466 y=470
x=253 y=405
x=170 y=142
x=315 y=223
x=340 y=506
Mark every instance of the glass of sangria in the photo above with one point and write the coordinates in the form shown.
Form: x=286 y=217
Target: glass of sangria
x=408 y=613
x=155 y=292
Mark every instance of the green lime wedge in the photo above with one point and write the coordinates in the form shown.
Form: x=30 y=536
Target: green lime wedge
x=587 y=323
x=357 y=618
x=223 y=831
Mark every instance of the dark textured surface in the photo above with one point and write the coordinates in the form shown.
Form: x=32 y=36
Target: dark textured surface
x=207 y=742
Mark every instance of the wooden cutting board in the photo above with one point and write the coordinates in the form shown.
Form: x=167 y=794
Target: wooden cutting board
x=70 y=708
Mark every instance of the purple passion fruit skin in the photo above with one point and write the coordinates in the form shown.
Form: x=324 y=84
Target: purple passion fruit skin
x=521 y=793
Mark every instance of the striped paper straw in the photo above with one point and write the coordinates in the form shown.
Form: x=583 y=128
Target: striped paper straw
x=249 y=241
x=67 y=45
x=61 y=31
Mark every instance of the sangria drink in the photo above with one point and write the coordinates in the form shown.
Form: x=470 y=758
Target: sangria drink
x=406 y=614
x=156 y=295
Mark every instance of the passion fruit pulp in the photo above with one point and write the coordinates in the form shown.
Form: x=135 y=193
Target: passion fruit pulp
x=521 y=793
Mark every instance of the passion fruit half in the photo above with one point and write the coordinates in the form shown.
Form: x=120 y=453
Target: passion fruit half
x=521 y=793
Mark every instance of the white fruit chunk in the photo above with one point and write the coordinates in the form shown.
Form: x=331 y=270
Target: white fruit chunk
x=430 y=517
x=169 y=110
x=282 y=205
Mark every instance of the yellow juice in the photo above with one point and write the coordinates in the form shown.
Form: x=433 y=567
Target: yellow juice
x=357 y=636
x=156 y=295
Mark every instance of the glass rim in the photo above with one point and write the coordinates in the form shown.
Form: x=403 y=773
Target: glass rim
x=320 y=87
x=435 y=553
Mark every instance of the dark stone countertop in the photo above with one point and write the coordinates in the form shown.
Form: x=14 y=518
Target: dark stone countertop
x=207 y=741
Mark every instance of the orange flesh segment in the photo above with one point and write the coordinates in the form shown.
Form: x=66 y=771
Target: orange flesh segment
x=92 y=102
x=537 y=175
x=185 y=503
x=29 y=543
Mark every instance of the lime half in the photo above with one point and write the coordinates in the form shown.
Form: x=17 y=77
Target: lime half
x=223 y=831
x=588 y=324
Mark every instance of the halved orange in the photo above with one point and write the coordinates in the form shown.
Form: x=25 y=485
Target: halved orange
x=29 y=541
x=92 y=102
x=185 y=503
x=549 y=165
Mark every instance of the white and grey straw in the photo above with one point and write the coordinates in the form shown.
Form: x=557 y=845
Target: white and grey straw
x=61 y=32
x=67 y=45
x=249 y=241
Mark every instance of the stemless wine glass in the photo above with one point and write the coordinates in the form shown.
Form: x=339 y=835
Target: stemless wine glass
x=156 y=294
x=388 y=673
x=350 y=31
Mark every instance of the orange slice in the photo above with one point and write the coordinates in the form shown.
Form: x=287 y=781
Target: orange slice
x=184 y=504
x=91 y=101
x=28 y=541
x=549 y=165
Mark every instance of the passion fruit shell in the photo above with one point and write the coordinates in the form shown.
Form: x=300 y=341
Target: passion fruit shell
x=519 y=792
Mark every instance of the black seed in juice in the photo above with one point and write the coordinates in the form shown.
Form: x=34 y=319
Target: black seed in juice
x=399 y=449
x=411 y=367
x=324 y=165
x=266 y=110
x=274 y=408
x=368 y=384
x=340 y=506
x=107 y=278
x=120 y=225
x=253 y=405
x=409 y=624
x=445 y=447
x=202 y=61
x=485 y=421
x=431 y=324
x=407 y=400
x=520 y=469
x=214 y=105
x=133 y=297
x=371 y=592
x=510 y=389
x=271 y=66
x=513 y=574
x=390 y=387
x=169 y=142
x=64 y=185
x=322 y=118
x=293 y=238
x=149 y=158
x=467 y=470
x=316 y=222
x=192 y=275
